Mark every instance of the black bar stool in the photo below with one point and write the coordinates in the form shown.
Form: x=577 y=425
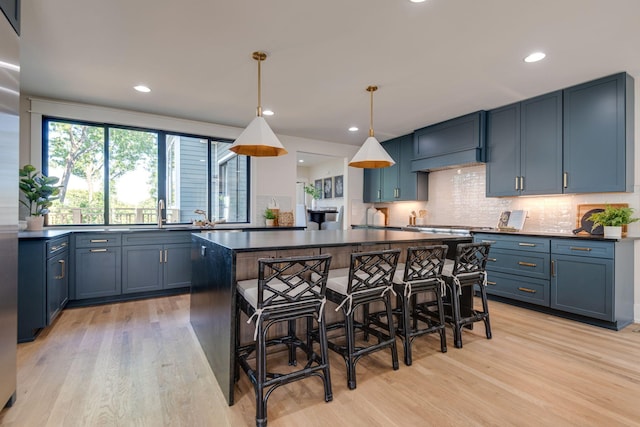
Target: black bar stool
x=420 y=276
x=369 y=280
x=286 y=289
x=461 y=275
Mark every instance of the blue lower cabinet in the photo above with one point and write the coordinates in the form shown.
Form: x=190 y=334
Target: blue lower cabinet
x=177 y=267
x=521 y=288
x=583 y=285
x=142 y=268
x=98 y=272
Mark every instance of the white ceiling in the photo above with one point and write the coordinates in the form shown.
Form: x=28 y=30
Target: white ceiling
x=432 y=61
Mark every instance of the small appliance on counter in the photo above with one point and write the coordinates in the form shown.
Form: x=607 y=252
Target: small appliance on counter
x=512 y=220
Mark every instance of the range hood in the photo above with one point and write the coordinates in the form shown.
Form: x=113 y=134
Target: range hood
x=455 y=143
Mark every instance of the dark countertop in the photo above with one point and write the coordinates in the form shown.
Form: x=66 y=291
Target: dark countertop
x=265 y=240
x=552 y=235
x=50 y=233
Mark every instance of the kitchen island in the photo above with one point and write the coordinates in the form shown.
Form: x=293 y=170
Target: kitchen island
x=221 y=259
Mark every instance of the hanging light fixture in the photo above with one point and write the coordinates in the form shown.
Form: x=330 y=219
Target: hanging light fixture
x=258 y=139
x=371 y=155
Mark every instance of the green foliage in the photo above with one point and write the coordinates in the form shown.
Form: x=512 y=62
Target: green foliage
x=269 y=214
x=39 y=190
x=314 y=192
x=611 y=216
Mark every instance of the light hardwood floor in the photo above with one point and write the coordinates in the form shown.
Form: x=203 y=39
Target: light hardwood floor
x=139 y=364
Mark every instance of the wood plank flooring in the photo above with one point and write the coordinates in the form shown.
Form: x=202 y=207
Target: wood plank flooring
x=139 y=364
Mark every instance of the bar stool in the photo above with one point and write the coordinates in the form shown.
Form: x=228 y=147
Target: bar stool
x=467 y=270
x=286 y=289
x=420 y=275
x=369 y=280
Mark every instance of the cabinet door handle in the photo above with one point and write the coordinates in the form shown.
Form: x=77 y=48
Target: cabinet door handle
x=565 y=180
x=522 y=183
x=97 y=250
x=379 y=194
x=517 y=181
x=531 y=245
x=553 y=268
x=578 y=248
x=166 y=255
x=492 y=259
x=160 y=256
x=527 y=264
x=99 y=240
x=489 y=241
x=531 y=291
x=61 y=276
x=491 y=283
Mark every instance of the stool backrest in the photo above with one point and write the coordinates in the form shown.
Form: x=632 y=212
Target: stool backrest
x=424 y=262
x=370 y=271
x=471 y=258
x=292 y=280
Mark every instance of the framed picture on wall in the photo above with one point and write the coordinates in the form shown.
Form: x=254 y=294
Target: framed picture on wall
x=338 y=189
x=318 y=184
x=328 y=188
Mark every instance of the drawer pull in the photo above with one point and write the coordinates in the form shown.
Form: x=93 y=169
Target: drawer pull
x=492 y=259
x=531 y=291
x=527 y=264
x=97 y=250
x=578 y=248
x=553 y=269
x=99 y=240
x=491 y=283
x=488 y=241
x=532 y=245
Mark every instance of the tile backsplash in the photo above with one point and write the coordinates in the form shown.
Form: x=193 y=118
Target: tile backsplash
x=457 y=197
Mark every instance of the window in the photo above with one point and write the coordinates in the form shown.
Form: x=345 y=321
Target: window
x=116 y=175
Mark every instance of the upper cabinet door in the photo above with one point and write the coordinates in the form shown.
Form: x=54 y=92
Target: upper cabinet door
x=390 y=175
x=503 y=151
x=541 y=145
x=11 y=9
x=598 y=136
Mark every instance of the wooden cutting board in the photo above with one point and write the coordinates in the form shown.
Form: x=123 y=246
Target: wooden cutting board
x=583 y=209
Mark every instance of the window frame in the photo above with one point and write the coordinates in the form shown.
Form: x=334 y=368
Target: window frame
x=161 y=163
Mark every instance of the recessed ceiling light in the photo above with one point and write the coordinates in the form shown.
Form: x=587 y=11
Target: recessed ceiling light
x=300 y=161
x=417 y=1
x=535 y=57
x=268 y=113
x=353 y=129
x=142 y=88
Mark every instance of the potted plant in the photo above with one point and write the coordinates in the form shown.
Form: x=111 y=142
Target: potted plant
x=269 y=217
x=39 y=192
x=612 y=219
x=315 y=194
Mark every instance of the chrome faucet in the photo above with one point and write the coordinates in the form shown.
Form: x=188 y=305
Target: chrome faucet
x=159 y=213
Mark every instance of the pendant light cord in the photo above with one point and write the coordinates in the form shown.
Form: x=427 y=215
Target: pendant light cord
x=371 y=89
x=259 y=56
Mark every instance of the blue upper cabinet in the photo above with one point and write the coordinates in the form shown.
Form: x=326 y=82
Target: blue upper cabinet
x=396 y=183
x=524 y=147
x=11 y=9
x=454 y=142
x=598 y=136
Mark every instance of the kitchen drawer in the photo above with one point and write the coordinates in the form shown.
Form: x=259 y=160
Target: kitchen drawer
x=57 y=245
x=583 y=248
x=523 y=263
x=98 y=240
x=521 y=288
x=517 y=242
x=156 y=237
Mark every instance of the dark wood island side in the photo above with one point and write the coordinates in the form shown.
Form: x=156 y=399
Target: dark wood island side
x=220 y=259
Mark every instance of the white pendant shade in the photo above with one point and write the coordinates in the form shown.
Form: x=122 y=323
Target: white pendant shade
x=258 y=140
x=371 y=155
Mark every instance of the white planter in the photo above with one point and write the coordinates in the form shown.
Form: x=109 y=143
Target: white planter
x=35 y=223
x=269 y=222
x=314 y=204
x=612 y=232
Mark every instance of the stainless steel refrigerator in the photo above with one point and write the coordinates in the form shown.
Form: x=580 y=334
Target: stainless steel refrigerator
x=9 y=151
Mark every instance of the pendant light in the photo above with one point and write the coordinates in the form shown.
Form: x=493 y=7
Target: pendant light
x=258 y=139
x=371 y=155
